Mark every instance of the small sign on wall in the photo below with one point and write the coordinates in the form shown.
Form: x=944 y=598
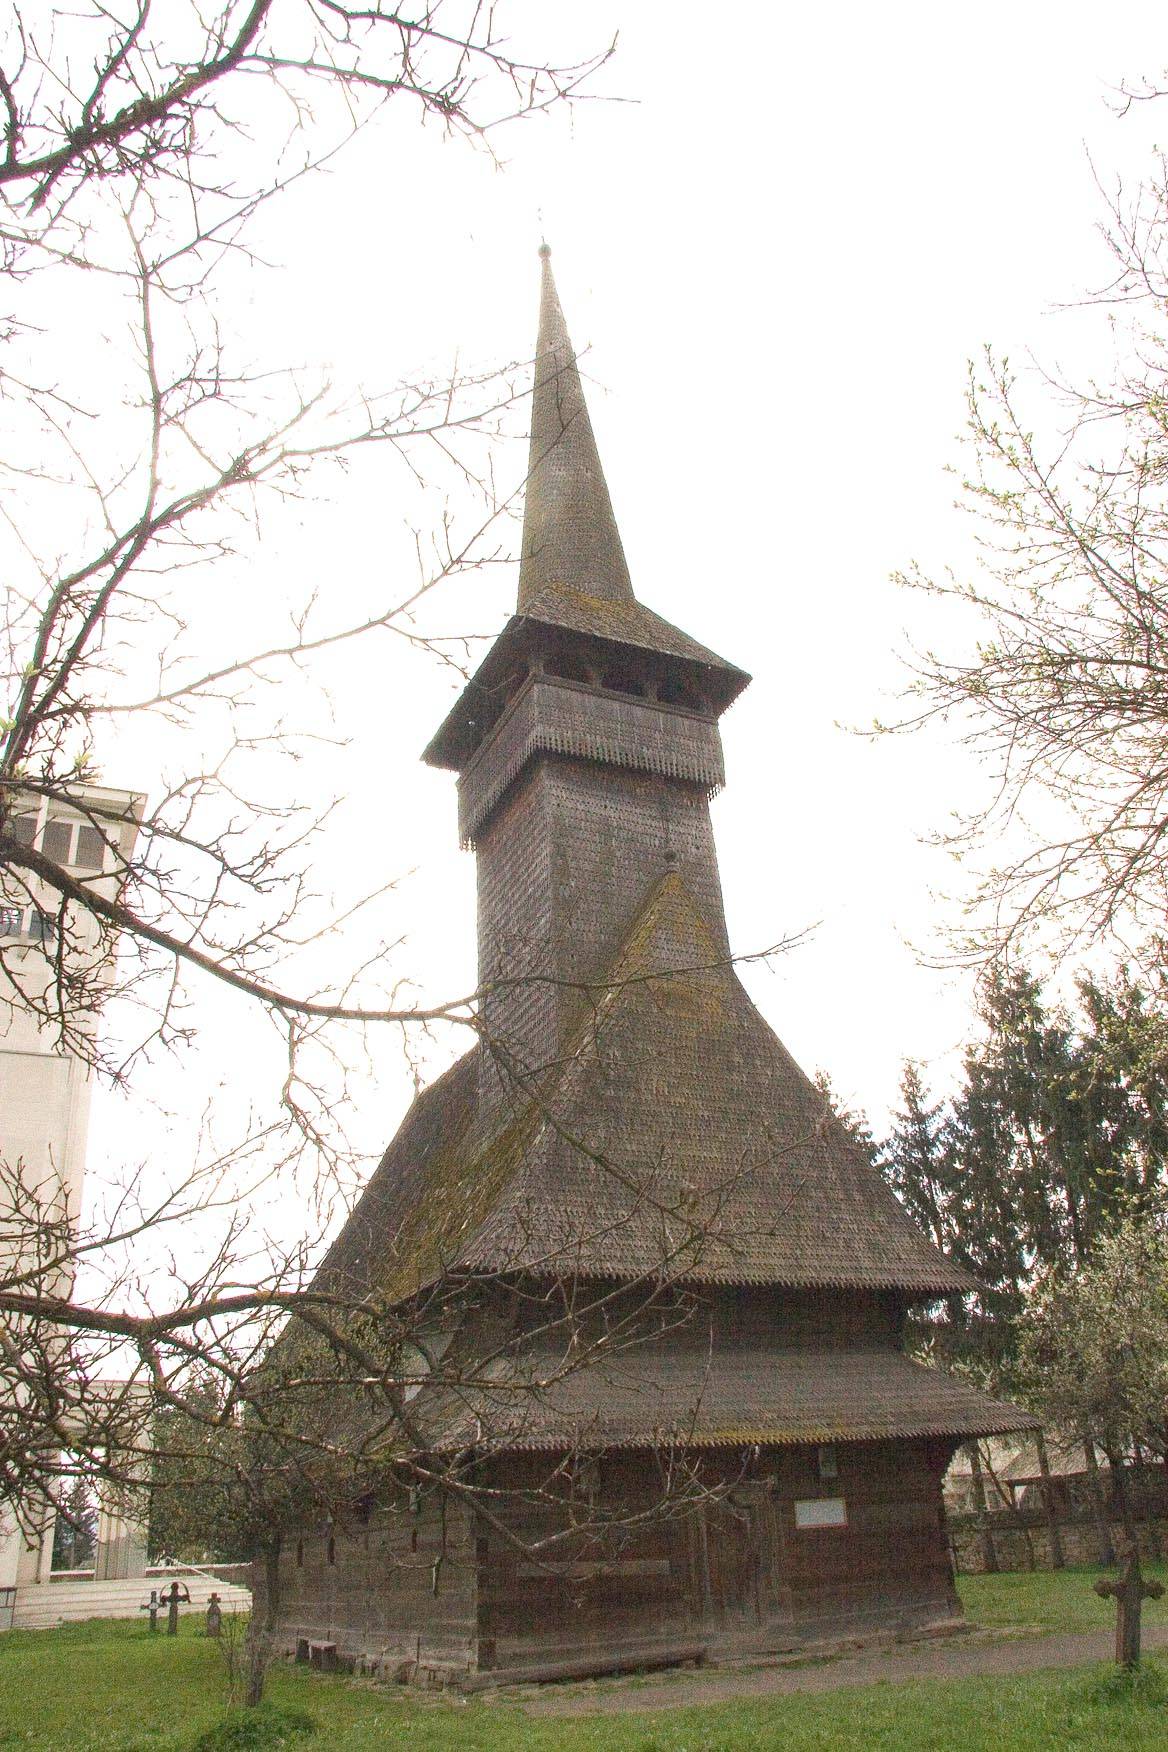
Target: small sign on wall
x=821 y=1512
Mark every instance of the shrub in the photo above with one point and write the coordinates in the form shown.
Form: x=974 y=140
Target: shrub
x=1145 y=1684
x=249 y=1730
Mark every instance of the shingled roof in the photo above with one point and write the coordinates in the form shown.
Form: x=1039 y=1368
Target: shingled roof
x=673 y=1143
x=729 y=1395
x=678 y=1138
x=570 y=535
x=573 y=571
x=573 y=575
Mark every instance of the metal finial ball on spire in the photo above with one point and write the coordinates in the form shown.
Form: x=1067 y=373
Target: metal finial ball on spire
x=545 y=250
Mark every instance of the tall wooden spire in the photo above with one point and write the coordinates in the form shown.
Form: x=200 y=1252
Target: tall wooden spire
x=577 y=614
x=570 y=536
x=645 y=1244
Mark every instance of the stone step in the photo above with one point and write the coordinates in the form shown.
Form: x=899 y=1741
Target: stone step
x=43 y=1605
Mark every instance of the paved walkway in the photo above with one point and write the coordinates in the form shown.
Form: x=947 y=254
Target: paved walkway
x=952 y=1658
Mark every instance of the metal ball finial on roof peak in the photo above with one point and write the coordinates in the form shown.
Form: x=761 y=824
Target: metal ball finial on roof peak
x=545 y=250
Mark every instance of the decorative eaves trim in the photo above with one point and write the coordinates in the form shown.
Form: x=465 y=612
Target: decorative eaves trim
x=560 y=717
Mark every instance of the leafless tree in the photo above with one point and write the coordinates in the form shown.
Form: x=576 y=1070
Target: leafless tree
x=137 y=156
x=139 y=150
x=1059 y=688
x=138 y=153
x=287 y=1398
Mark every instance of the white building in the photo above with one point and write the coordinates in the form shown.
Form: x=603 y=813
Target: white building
x=45 y=1089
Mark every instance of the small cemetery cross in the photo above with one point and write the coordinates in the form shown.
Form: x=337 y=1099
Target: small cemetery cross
x=151 y=1606
x=214 y=1616
x=172 y=1596
x=1129 y=1590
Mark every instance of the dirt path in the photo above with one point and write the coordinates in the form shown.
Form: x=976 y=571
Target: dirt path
x=958 y=1658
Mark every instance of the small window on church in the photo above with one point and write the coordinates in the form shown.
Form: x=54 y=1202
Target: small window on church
x=821 y=1512
x=11 y=919
x=828 y=1461
x=22 y=828
x=421 y=1355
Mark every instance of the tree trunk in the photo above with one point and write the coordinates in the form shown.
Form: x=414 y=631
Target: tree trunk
x=1103 y=1525
x=1050 y=1507
x=1146 y=1505
x=989 y=1551
x=263 y=1625
x=1119 y=1485
x=1005 y=1496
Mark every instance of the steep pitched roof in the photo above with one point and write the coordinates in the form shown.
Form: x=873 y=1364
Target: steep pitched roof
x=424 y=1170
x=570 y=536
x=573 y=575
x=573 y=572
x=678 y=1138
x=624 y=623
x=683 y=1137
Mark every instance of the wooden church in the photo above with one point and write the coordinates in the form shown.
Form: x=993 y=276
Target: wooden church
x=659 y=1295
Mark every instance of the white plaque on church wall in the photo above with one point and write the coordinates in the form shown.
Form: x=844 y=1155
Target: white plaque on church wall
x=821 y=1512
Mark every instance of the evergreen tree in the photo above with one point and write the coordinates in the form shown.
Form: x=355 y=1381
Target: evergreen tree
x=1057 y=1133
x=1122 y=1088
x=853 y=1119
x=916 y=1160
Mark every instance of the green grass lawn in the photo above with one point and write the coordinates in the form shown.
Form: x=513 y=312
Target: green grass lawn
x=1062 y=1600
x=111 y=1687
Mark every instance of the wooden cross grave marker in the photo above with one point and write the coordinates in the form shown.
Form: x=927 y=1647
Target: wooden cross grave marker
x=1129 y=1590
x=170 y=1599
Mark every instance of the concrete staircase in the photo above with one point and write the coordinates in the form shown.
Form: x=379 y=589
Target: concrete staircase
x=47 y=1604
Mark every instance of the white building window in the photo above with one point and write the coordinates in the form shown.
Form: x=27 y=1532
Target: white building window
x=90 y=848
x=42 y=926
x=57 y=841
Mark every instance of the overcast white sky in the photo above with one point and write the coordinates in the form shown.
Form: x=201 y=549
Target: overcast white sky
x=779 y=257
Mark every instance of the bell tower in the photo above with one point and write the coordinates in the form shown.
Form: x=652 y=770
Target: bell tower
x=587 y=743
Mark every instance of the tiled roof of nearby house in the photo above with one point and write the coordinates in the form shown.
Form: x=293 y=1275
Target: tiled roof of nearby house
x=1065 y=1459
